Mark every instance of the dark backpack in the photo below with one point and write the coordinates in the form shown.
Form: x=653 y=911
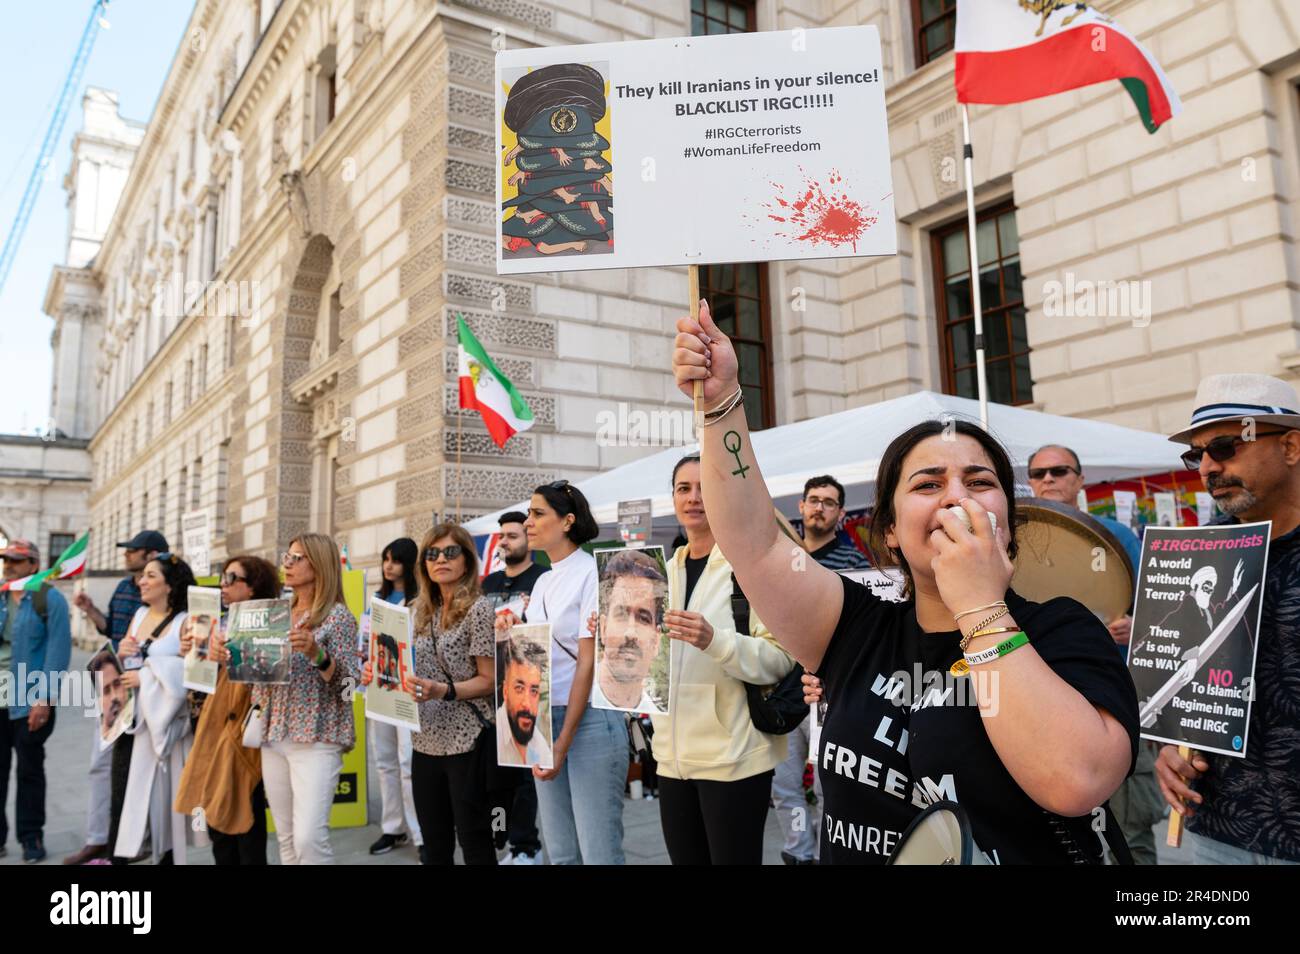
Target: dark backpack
x=778 y=709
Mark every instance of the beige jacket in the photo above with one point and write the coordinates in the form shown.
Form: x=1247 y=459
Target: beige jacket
x=707 y=733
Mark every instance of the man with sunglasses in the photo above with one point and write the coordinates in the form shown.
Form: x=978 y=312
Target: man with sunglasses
x=1056 y=474
x=136 y=553
x=1244 y=438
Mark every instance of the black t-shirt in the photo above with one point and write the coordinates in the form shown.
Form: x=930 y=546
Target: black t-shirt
x=890 y=746
x=501 y=589
x=694 y=569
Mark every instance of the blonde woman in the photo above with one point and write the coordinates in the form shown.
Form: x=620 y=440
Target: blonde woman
x=454 y=647
x=309 y=720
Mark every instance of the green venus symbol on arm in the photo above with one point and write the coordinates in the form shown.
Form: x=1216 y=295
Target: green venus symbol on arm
x=731 y=441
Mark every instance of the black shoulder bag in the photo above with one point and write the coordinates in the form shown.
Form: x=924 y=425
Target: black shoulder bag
x=776 y=710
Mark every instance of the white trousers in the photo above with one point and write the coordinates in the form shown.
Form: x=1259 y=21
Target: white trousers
x=391 y=748
x=300 y=779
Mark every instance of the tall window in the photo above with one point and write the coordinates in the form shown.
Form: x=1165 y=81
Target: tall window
x=326 y=90
x=1006 y=345
x=58 y=543
x=935 y=26
x=738 y=297
x=722 y=16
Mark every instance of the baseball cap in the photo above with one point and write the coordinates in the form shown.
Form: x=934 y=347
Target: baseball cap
x=21 y=550
x=147 y=540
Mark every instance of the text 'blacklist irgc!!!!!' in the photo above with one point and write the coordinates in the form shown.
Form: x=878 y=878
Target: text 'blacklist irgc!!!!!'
x=804 y=99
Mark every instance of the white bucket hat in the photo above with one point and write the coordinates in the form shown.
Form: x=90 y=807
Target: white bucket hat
x=1232 y=397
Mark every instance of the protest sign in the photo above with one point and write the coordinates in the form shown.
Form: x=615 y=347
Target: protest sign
x=392 y=661
x=196 y=540
x=633 y=659
x=114 y=702
x=258 y=640
x=204 y=620
x=523 y=696
x=634 y=521
x=1195 y=621
x=731 y=148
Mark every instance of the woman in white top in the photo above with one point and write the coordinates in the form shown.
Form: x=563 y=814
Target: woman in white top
x=580 y=798
x=150 y=651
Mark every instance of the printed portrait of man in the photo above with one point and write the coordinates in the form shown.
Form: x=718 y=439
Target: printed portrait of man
x=523 y=665
x=387 y=668
x=629 y=634
x=112 y=697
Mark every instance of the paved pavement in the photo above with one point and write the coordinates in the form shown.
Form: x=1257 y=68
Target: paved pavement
x=67 y=756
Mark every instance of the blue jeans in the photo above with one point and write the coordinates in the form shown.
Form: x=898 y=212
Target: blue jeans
x=581 y=809
x=1207 y=851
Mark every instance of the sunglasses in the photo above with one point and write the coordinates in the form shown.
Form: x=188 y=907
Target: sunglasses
x=1220 y=449
x=1038 y=473
x=561 y=485
x=450 y=552
x=288 y=558
x=230 y=579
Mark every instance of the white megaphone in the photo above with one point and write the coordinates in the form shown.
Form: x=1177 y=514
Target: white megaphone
x=940 y=835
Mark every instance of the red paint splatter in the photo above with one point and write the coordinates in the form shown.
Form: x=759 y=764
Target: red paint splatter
x=821 y=213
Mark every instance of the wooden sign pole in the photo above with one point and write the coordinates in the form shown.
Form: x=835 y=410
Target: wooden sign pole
x=693 y=283
x=1174 y=838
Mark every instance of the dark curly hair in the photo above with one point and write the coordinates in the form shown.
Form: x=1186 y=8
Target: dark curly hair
x=179 y=578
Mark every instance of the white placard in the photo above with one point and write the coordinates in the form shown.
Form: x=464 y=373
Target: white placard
x=734 y=148
x=1166 y=509
x=1204 y=508
x=196 y=540
x=1125 y=506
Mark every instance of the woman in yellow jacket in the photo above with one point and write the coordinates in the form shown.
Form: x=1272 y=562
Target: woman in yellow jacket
x=715 y=768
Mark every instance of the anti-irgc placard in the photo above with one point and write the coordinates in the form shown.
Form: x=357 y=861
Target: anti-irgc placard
x=1195 y=623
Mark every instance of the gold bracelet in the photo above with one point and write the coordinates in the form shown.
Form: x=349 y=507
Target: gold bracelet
x=979 y=609
x=994 y=632
x=965 y=640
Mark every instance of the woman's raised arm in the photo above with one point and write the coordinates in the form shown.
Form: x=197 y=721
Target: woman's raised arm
x=798 y=599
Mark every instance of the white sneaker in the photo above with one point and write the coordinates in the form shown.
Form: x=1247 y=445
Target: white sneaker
x=525 y=859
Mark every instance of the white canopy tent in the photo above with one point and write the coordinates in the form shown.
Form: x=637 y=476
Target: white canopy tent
x=849 y=445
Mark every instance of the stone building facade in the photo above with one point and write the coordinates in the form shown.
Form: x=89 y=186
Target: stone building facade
x=312 y=203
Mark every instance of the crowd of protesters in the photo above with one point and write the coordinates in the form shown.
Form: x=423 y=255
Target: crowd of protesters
x=1062 y=741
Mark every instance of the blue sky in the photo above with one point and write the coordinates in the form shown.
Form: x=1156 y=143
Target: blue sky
x=36 y=51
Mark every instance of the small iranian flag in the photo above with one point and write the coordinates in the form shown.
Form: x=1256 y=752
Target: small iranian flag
x=1009 y=51
x=485 y=389
x=71 y=562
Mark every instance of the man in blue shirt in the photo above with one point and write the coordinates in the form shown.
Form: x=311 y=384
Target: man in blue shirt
x=1056 y=474
x=35 y=648
x=136 y=553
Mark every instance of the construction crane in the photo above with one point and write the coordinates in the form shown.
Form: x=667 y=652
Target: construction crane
x=70 y=86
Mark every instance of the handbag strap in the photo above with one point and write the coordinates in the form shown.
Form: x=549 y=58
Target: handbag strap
x=437 y=655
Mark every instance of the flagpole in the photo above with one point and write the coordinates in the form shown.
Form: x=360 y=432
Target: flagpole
x=460 y=417
x=980 y=378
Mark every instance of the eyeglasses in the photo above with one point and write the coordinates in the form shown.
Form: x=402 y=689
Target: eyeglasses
x=289 y=558
x=450 y=552
x=1221 y=448
x=1038 y=473
x=824 y=504
x=230 y=579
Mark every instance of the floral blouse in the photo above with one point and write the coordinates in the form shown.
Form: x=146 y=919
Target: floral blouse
x=309 y=709
x=450 y=727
